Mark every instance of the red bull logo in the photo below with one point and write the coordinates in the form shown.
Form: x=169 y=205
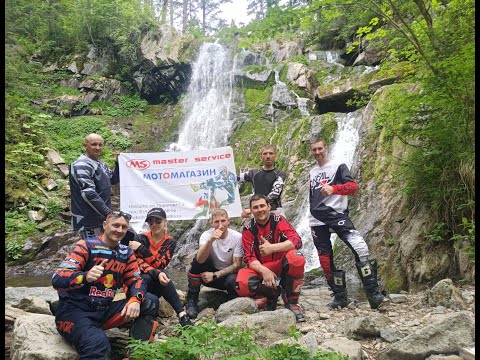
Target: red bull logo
x=108 y=281
x=107 y=293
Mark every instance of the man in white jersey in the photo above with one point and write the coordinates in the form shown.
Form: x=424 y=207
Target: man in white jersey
x=330 y=184
x=217 y=261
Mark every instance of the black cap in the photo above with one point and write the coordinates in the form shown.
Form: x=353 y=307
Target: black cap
x=156 y=212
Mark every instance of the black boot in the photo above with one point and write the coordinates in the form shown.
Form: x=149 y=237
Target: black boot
x=272 y=296
x=191 y=304
x=293 y=286
x=339 y=287
x=368 y=273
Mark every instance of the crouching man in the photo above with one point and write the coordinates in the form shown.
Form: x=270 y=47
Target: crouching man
x=217 y=261
x=274 y=264
x=87 y=281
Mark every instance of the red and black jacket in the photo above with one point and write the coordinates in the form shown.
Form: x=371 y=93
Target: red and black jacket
x=276 y=230
x=154 y=257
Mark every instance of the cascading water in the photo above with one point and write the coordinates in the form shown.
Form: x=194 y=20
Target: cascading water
x=207 y=104
x=343 y=150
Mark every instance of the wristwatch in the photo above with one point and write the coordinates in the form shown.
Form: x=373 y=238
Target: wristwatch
x=140 y=296
x=214 y=276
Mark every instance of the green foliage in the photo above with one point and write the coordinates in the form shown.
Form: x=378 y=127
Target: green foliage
x=120 y=105
x=14 y=248
x=302 y=59
x=211 y=341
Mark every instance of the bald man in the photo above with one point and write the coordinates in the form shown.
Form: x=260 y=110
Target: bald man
x=90 y=186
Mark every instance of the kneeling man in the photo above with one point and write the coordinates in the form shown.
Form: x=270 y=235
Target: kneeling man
x=273 y=261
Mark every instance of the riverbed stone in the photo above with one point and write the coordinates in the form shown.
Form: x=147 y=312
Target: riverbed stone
x=345 y=346
x=13 y=295
x=446 y=336
x=36 y=337
x=34 y=304
x=238 y=306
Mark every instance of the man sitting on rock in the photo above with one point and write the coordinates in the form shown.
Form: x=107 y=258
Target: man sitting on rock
x=217 y=261
x=273 y=261
x=87 y=281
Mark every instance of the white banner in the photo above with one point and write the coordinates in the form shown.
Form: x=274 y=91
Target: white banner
x=187 y=185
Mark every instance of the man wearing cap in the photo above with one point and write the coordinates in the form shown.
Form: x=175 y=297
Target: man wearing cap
x=87 y=281
x=154 y=250
x=217 y=261
x=90 y=186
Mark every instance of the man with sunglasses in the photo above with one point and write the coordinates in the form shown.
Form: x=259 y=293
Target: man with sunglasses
x=154 y=250
x=90 y=186
x=87 y=281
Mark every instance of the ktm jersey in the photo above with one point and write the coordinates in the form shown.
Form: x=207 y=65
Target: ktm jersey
x=69 y=279
x=338 y=176
x=153 y=256
x=251 y=238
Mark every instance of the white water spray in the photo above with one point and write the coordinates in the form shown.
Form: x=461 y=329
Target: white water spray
x=208 y=101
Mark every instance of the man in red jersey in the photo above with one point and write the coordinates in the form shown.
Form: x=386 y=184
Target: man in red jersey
x=274 y=264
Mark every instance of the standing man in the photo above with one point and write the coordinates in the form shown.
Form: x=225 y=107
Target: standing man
x=267 y=180
x=273 y=261
x=90 y=186
x=330 y=185
x=217 y=261
x=87 y=281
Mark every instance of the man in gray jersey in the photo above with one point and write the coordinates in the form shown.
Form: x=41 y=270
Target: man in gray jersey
x=267 y=180
x=330 y=185
x=90 y=186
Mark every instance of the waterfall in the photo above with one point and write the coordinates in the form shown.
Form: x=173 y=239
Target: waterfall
x=343 y=150
x=207 y=104
x=207 y=122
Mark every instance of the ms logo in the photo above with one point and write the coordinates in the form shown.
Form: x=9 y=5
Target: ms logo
x=138 y=164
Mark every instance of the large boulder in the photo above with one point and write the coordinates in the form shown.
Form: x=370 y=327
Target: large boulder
x=443 y=337
x=36 y=337
x=302 y=76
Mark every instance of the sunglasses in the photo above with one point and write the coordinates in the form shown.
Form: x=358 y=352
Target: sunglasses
x=154 y=221
x=127 y=216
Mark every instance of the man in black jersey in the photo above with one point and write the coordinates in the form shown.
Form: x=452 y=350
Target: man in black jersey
x=330 y=185
x=266 y=180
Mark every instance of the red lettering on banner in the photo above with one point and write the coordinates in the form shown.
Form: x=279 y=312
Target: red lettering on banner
x=138 y=164
x=213 y=157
